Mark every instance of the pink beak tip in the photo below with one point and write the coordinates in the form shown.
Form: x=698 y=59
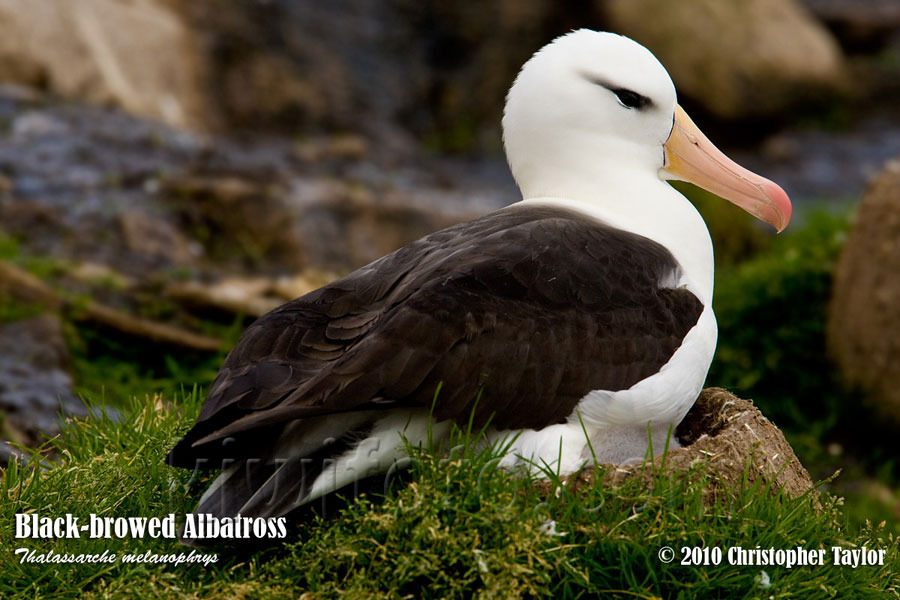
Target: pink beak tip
x=781 y=203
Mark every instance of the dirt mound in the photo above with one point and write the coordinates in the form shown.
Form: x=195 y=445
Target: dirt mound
x=864 y=316
x=725 y=431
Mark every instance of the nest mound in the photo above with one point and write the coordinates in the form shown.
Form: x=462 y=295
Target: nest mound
x=724 y=431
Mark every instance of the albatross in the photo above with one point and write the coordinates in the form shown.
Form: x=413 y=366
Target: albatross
x=575 y=323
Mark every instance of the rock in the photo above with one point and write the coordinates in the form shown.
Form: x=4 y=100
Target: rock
x=22 y=94
x=137 y=55
x=36 y=123
x=346 y=226
x=275 y=64
x=237 y=218
x=864 y=315
x=85 y=184
x=34 y=385
x=37 y=341
x=155 y=241
x=8 y=453
x=725 y=432
x=463 y=57
x=321 y=148
x=737 y=58
x=380 y=69
x=860 y=25
x=439 y=70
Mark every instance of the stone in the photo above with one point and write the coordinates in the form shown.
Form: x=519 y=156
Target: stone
x=137 y=55
x=38 y=341
x=438 y=70
x=34 y=384
x=737 y=58
x=153 y=240
x=860 y=25
x=864 y=314
x=347 y=226
x=237 y=218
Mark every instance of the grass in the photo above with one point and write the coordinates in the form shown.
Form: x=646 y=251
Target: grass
x=460 y=529
x=110 y=369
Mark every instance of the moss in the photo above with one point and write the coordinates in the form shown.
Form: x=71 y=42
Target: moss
x=111 y=368
x=9 y=247
x=13 y=310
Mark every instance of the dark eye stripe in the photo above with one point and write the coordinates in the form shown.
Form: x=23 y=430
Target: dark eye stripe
x=631 y=99
x=628 y=98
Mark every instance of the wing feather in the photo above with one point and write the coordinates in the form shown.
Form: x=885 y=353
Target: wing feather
x=530 y=307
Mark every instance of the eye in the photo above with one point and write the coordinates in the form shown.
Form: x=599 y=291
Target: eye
x=630 y=99
x=627 y=98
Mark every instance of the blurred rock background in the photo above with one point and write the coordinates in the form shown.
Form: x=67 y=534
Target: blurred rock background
x=170 y=170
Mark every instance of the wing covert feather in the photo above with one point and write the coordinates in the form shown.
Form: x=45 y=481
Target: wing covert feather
x=531 y=307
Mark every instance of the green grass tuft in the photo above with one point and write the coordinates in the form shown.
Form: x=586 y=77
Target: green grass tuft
x=461 y=528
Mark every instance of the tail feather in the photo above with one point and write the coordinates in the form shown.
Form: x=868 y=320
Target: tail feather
x=290 y=484
x=297 y=471
x=273 y=486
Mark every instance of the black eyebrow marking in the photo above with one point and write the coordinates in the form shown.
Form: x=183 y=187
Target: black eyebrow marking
x=627 y=98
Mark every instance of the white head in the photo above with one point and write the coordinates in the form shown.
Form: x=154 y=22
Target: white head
x=564 y=107
x=592 y=110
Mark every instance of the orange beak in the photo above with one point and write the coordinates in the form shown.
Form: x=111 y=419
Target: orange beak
x=691 y=157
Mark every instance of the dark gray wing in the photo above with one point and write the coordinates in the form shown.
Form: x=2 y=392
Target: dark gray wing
x=531 y=306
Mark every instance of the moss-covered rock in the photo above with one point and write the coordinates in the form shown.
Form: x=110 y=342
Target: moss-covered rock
x=864 y=315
